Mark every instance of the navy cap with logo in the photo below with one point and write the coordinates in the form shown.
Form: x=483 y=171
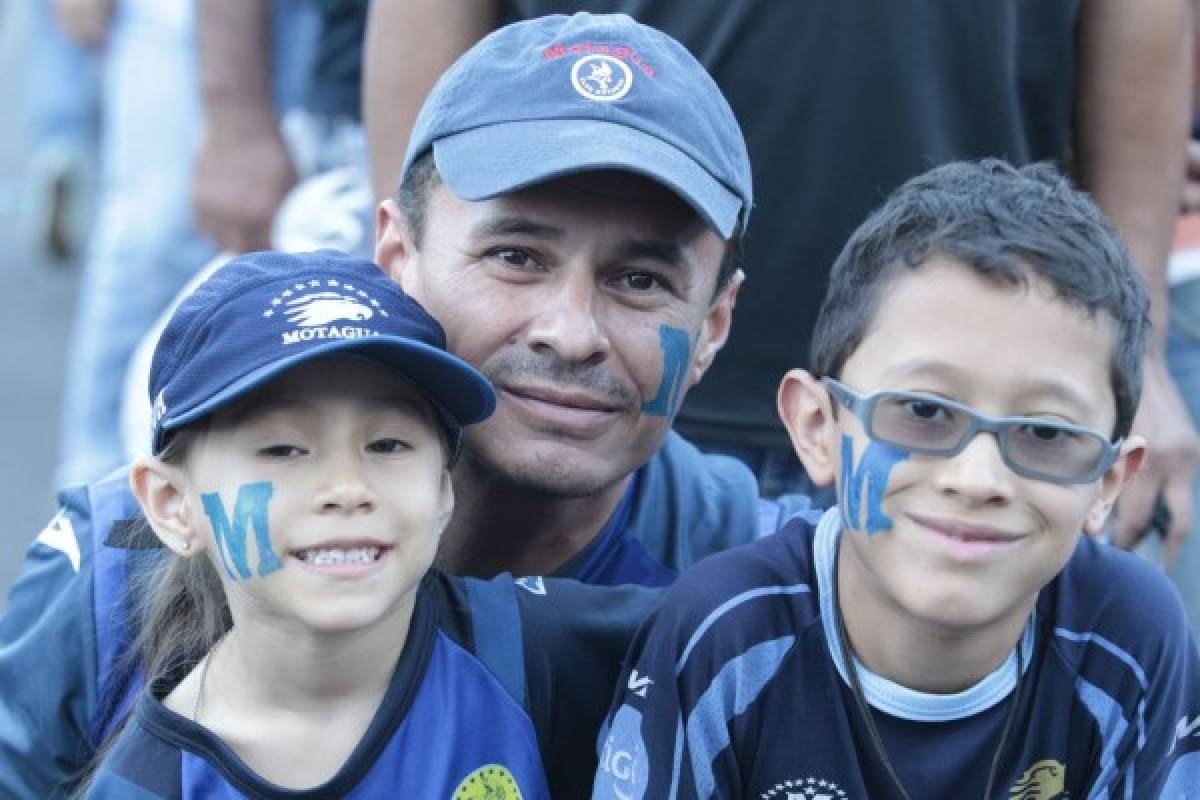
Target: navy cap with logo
x=559 y=95
x=265 y=313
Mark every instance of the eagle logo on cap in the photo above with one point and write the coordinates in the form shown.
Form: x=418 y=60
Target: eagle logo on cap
x=322 y=308
x=601 y=78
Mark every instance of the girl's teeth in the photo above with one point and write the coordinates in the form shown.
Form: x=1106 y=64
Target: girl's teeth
x=353 y=555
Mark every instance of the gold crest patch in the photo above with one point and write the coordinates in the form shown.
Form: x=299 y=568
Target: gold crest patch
x=489 y=782
x=1045 y=780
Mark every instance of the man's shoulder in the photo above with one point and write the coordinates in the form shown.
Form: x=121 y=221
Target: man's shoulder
x=761 y=590
x=691 y=504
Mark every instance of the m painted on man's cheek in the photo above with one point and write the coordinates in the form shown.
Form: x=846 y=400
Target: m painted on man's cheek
x=677 y=350
x=249 y=512
x=870 y=478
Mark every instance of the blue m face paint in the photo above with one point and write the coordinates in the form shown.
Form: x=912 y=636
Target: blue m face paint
x=677 y=350
x=869 y=478
x=249 y=512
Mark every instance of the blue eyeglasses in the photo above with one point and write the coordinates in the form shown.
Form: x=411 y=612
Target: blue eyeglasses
x=1033 y=447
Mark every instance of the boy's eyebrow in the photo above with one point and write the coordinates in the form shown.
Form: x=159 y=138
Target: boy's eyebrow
x=937 y=369
x=516 y=225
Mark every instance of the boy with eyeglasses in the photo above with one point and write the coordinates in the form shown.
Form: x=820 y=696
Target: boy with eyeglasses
x=945 y=631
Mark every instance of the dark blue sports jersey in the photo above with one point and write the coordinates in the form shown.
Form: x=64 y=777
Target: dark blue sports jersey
x=736 y=689
x=464 y=714
x=67 y=625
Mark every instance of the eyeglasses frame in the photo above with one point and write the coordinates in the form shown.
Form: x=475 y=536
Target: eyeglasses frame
x=863 y=406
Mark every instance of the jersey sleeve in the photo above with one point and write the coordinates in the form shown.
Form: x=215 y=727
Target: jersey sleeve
x=47 y=666
x=576 y=636
x=650 y=743
x=1163 y=759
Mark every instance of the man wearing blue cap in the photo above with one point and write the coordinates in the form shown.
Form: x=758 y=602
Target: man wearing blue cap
x=571 y=209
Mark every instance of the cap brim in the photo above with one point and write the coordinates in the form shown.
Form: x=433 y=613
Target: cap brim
x=458 y=390
x=497 y=159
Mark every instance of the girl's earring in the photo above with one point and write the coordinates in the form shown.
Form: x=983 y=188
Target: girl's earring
x=187 y=545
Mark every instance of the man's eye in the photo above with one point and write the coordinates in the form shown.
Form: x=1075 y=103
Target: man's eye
x=388 y=446
x=641 y=281
x=514 y=257
x=281 y=451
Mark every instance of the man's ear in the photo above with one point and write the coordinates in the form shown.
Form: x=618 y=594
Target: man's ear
x=715 y=330
x=807 y=413
x=393 y=239
x=1133 y=453
x=159 y=489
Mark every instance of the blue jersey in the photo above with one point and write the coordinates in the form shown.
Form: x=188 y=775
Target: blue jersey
x=484 y=666
x=736 y=689
x=67 y=621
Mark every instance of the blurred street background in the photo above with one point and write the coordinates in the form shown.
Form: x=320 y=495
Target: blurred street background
x=36 y=304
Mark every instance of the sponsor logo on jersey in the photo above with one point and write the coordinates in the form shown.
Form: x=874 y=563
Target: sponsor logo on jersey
x=809 y=788
x=59 y=535
x=313 y=307
x=532 y=584
x=1187 y=728
x=601 y=78
x=638 y=684
x=1045 y=780
x=624 y=765
x=489 y=782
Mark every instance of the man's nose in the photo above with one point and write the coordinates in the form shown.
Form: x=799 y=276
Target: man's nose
x=569 y=323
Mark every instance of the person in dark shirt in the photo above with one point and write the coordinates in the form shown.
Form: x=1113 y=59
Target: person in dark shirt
x=953 y=627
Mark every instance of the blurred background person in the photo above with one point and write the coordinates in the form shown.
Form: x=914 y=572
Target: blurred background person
x=145 y=244
x=62 y=101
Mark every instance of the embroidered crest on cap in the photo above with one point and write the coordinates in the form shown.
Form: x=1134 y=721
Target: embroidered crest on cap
x=602 y=78
x=313 y=306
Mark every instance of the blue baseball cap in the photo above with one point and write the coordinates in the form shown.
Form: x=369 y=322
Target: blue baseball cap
x=558 y=95
x=263 y=314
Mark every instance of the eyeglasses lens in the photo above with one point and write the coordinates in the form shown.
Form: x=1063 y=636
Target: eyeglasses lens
x=923 y=424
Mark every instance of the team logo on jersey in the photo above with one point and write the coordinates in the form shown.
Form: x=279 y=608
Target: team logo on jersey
x=602 y=78
x=806 y=789
x=1045 y=780
x=489 y=782
x=312 y=307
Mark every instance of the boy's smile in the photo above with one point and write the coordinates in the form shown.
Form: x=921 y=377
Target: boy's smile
x=962 y=543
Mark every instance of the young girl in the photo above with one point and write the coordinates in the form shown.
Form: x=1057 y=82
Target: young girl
x=298 y=644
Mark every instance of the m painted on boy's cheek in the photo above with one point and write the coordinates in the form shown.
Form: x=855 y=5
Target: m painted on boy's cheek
x=874 y=470
x=677 y=350
x=249 y=511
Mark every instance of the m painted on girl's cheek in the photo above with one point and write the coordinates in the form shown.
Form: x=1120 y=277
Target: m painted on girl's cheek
x=249 y=511
x=677 y=351
x=875 y=470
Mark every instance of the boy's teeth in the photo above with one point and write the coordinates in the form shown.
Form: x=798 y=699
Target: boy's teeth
x=337 y=555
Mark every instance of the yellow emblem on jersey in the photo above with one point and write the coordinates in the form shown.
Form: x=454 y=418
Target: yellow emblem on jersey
x=1045 y=780
x=489 y=782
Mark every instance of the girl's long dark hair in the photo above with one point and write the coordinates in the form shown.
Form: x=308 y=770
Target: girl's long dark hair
x=178 y=611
